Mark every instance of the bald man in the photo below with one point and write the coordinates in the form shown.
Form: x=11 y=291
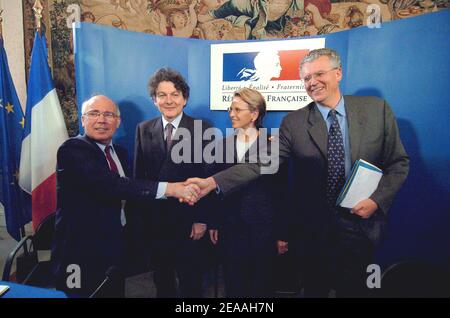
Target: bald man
x=92 y=186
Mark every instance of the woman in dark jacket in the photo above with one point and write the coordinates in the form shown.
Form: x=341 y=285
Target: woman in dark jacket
x=243 y=223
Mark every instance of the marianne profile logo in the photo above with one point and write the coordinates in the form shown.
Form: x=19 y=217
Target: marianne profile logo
x=263 y=66
x=271 y=67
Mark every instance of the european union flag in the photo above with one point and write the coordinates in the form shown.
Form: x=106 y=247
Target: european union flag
x=11 y=130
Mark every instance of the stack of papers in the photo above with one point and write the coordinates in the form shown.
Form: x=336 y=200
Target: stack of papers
x=362 y=182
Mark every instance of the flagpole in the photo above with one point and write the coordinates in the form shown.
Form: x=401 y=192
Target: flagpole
x=37 y=8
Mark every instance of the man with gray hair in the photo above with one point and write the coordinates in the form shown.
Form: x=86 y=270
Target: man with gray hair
x=91 y=235
x=324 y=139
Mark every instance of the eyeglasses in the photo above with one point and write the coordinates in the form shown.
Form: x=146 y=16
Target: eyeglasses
x=318 y=76
x=95 y=114
x=236 y=110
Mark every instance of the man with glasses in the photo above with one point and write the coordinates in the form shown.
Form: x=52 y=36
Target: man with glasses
x=90 y=223
x=324 y=139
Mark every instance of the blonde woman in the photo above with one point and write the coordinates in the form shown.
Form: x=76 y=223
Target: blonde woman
x=243 y=224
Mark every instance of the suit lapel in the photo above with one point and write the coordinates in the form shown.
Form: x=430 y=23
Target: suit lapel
x=356 y=121
x=98 y=151
x=187 y=123
x=233 y=141
x=122 y=155
x=229 y=151
x=156 y=147
x=252 y=151
x=317 y=129
x=158 y=136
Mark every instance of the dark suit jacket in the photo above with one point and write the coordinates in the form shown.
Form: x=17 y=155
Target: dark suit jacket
x=257 y=202
x=374 y=137
x=169 y=218
x=88 y=227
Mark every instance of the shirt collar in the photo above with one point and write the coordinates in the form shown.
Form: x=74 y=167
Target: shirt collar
x=340 y=109
x=102 y=146
x=175 y=122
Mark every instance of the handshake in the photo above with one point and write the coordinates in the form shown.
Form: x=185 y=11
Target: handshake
x=191 y=190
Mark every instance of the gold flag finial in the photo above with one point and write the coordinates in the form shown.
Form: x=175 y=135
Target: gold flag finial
x=37 y=8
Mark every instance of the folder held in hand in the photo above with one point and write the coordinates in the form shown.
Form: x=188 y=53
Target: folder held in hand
x=362 y=182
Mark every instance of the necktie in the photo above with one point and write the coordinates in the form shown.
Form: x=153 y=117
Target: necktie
x=169 y=129
x=112 y=163
x=336 y=161
x=113 y=167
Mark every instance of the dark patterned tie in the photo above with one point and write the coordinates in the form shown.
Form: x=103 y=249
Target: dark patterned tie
x=112 y=163
x=169 y=129
x=336 y=161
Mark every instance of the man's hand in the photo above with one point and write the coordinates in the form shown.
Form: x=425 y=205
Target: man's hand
x=282 y=247
x=205 y=185
x=185 y=193
x=365 y=208
x=198 y=229
x=214 y=236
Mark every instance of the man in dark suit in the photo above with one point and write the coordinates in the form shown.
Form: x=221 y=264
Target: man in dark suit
x=323 y=140
x=92 y=182
x=166 y=152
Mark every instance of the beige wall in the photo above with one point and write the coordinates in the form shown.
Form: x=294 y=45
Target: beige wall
x=13 y=40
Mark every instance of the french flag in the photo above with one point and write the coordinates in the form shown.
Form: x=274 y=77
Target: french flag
x=44 y=132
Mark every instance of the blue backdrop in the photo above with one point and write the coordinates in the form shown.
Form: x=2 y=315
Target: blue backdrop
x=407 y=62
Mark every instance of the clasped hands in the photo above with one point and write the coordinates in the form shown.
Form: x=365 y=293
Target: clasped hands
x=191 y=190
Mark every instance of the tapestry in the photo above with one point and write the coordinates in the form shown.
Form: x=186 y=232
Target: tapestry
x=204 y=19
